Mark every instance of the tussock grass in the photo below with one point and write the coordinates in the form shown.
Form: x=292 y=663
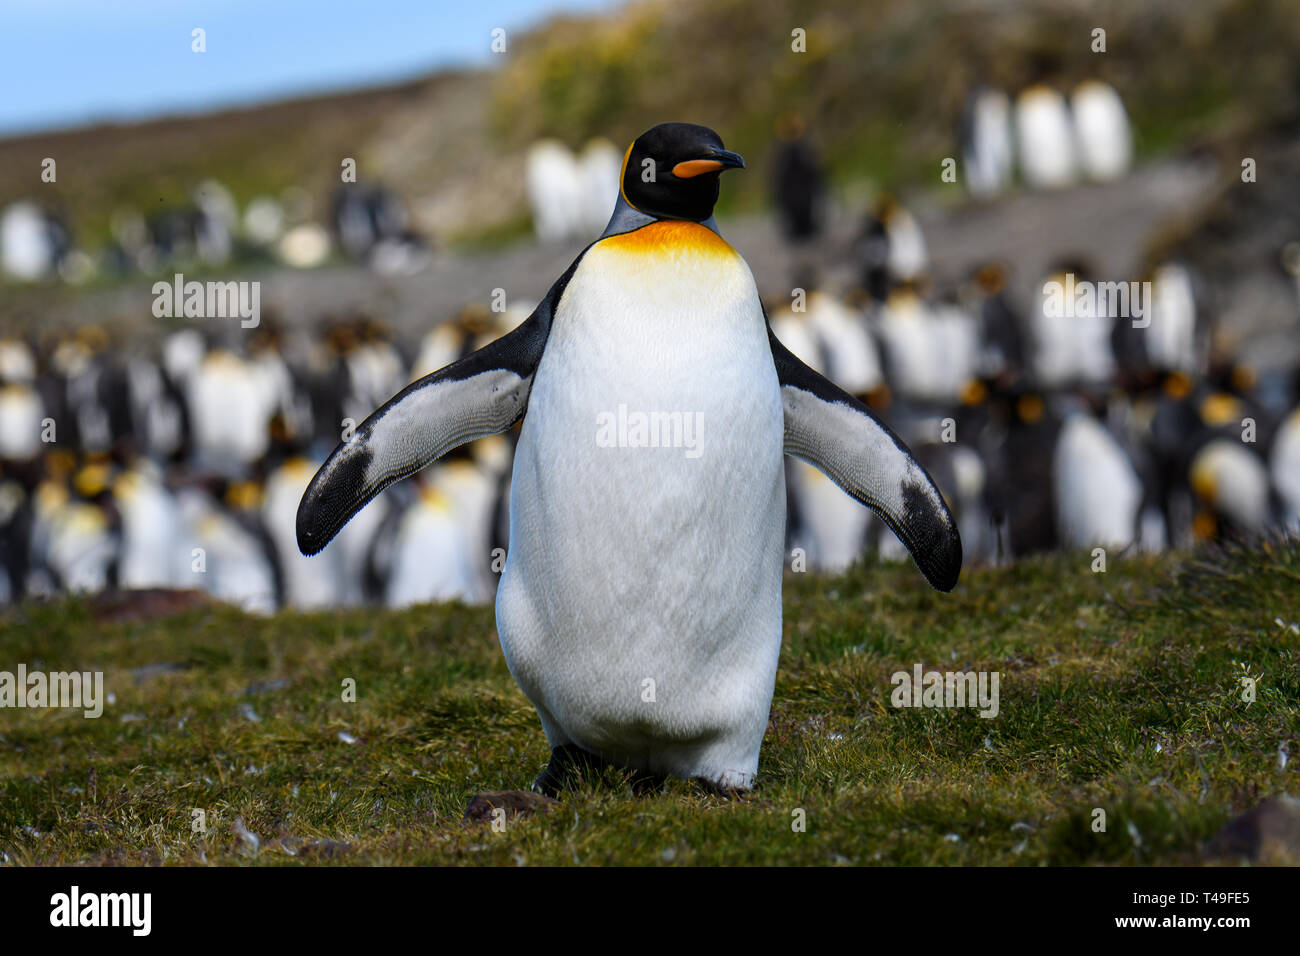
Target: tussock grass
x=1119 y=691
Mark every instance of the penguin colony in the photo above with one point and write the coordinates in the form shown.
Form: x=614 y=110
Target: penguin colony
x=1054 y=140
x=180 y=444
x=366 y=223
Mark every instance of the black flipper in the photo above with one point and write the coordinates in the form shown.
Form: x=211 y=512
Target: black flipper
x=834 y=432
x=483 y=394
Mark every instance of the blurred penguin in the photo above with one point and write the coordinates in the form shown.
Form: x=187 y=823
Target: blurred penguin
x=1284 y=461
x=15 y=537
x=83 y=543
x=554 y=184
x=890 y=249
x=987 y=148
x=151 y=523
x=1214 y=484
x=599 y=167
x=1101 y=129
x=223 y=550
x=21 y=414
x=931 y=349
x=17 y=362
x=230 y=406
x=1231 y=485
x=1044 y=138
x=1071 y=332
x=158 y=416
x=852 y=359
x=1021 y=488
x=1001 y=347
x=798 y=183
x=33 y=241
x=95 y=398
x=1097 y=491
x=214 y=222
x=375 y=368
x=435 y=557
x=307 y=583
x=1173 y=339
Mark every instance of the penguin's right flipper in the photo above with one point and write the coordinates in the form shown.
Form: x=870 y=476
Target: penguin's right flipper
x=483 y=394
x=831 y=430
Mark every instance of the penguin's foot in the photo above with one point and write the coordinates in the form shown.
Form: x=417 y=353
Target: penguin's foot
x=722 y=790
x=571 y=767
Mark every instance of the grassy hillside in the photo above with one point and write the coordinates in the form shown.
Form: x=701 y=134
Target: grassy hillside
x=1119 y=691
x=881 y=83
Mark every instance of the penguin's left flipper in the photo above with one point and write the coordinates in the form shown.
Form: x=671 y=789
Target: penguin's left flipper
x=834 y=432
x=483 y=394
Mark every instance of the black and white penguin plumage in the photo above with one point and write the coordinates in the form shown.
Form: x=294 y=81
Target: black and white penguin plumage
x=891 y=249
x=987 y=147
x=931 y=348
x=640 y=606
x=1000 y=328
x=1018 y=453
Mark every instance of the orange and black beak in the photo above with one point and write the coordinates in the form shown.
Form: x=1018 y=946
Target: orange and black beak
x=715 y=160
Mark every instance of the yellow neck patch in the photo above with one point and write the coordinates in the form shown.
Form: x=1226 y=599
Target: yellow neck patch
x=670 y=235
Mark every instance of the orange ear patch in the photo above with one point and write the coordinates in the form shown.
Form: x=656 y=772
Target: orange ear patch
x=696 y=167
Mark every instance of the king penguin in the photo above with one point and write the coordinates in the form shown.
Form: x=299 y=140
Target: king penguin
x=640 y=604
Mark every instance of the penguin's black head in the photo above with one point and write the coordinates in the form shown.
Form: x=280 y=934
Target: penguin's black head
x=672 y=170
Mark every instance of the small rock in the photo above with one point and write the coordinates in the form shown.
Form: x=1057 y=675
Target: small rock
x=325 y=849
x=1268 y=833
x=261 y=687
x=150 y=671
x=146 y=604
x=516 y=803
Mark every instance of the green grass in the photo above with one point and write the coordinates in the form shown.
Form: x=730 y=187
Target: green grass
x=1097 y=672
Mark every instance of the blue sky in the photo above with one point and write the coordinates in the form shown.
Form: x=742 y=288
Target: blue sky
x=69 y=62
